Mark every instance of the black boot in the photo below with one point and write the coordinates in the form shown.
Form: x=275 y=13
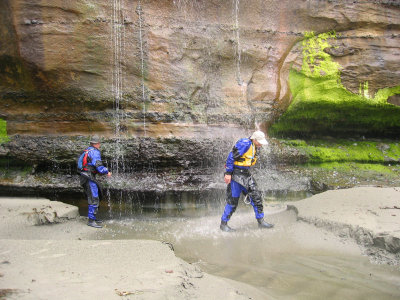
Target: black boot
x=224 y=227
x=94 y=224
x=97 y=220
x=263 y=224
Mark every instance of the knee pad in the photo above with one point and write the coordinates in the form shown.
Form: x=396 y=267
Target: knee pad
x=94 y=201
x=233 y=206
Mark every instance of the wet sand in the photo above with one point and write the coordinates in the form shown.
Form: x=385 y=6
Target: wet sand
x=368 y=215
x=41 y=259
x=69 y=260
x=294 y=260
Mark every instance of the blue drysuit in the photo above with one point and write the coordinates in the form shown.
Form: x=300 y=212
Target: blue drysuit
x=242 y=181
x=89 y=183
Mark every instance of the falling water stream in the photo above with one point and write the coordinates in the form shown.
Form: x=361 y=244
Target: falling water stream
x=238 y=50
x=139 y=11
x=118 y=42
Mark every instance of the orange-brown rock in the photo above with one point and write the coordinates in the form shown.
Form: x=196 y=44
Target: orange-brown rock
x=66 y=65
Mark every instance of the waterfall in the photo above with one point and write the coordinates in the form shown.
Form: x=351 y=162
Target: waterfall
x=238 y=50
x=140 y=14
x=238 y=53
x=118 y=45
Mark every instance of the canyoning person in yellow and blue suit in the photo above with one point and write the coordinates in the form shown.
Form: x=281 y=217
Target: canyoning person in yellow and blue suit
x=89 y=165
x=239 y=179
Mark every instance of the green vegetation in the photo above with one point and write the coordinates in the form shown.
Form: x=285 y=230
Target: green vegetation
x=3 y=131
x=316 y=62
x=343 y=175
x=377 y=168
x=345 y=163
x=322 y=106
x=339 y=151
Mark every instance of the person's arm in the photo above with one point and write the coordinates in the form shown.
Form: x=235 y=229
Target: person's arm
x=229 y=168
x=97 y=163
x=238 y=150
x=229 y=164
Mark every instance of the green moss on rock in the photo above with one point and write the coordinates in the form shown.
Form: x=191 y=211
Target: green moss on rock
x=3 y=131
x=344 y=175
x=322 y=106
x=358 y=168
x=344 y=151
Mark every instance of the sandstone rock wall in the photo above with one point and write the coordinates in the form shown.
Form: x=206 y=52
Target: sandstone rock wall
x=63 y=64
x=177 y=80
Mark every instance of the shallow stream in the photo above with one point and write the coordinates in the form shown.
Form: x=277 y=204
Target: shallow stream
x=294 y=260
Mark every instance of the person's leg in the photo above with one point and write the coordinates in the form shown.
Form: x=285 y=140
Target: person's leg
x=93 y=201
x=256 y=201
x=232 y=200
x=255 y=198
x=231 y=203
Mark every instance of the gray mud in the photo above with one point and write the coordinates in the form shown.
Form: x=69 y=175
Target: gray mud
x=295 y=260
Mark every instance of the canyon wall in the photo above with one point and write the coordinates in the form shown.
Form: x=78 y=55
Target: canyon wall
x=199 y=69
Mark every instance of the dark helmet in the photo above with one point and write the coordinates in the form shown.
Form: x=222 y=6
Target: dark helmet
x=95 y=139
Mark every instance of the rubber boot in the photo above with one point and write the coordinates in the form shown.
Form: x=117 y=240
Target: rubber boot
x=263 y=224
x=224 y=227
x=94 y=224
x=97 y=220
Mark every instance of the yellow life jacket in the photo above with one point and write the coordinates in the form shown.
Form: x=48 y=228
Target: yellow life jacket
x=248 y=159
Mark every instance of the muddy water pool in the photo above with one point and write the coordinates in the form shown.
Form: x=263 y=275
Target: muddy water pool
x=294 y=260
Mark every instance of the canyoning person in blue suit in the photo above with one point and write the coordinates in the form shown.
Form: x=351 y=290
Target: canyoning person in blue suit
x=239 y=179
x=89 y=165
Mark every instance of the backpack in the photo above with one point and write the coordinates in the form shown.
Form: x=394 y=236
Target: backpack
x=83 y=160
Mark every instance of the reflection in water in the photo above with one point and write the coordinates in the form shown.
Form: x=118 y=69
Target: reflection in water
x=292 y=261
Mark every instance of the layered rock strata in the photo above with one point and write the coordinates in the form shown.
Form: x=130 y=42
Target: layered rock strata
x=176 y=65
x=175 y=81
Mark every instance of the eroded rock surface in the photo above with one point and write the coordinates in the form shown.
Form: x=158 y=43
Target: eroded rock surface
x=63 y=65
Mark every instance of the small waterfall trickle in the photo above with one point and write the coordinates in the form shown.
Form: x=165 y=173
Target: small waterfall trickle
x=109 y=204
x=242 y=85
x=118 y=47
x=139 y=11
x=238 y=50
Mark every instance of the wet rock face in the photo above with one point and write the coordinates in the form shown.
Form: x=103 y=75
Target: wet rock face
x=394 y=100
x=63 y=64
x=135 y=154
x=369 y=57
